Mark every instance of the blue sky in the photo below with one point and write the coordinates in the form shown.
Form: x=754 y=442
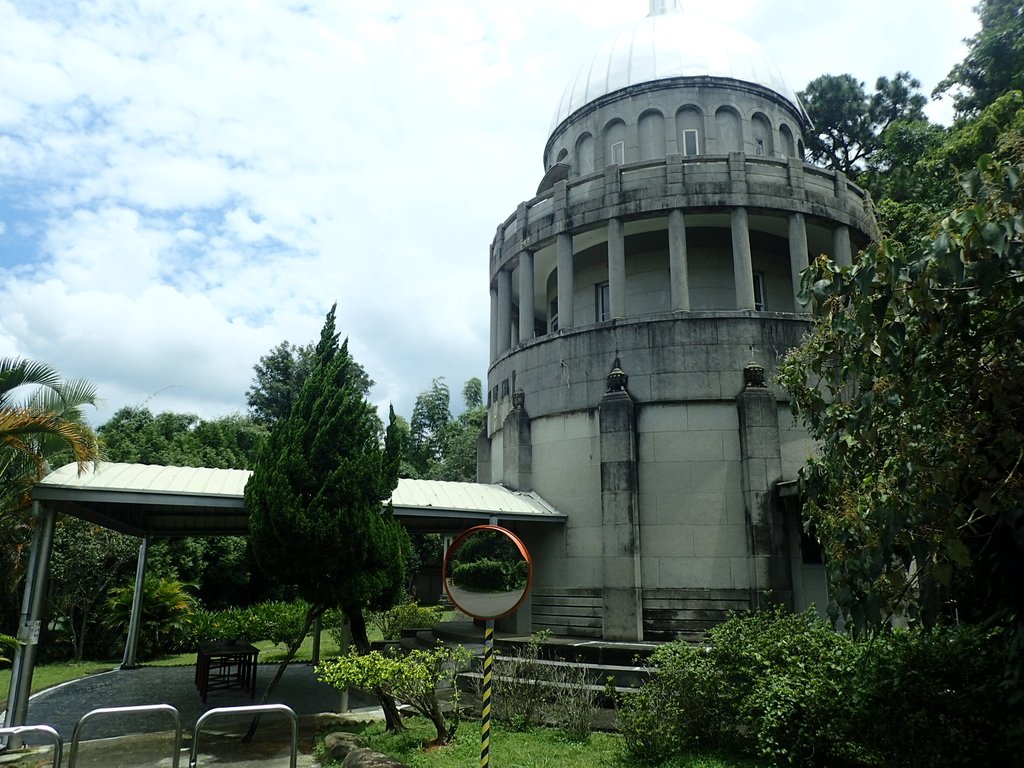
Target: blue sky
x=185 y=184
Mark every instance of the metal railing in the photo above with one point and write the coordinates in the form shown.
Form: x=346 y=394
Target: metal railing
x=76 y=735
x=46 y=730
x=255 y=709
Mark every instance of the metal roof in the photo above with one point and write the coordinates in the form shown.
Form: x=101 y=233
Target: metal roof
x=666 y=46
x=143 y=499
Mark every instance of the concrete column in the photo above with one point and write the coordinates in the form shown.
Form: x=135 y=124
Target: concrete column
x=483 y=454
x=742 y=267
x=494 y=323
x=797 y=253
x=30 y=620
x=616 y=268
x=842 y=252
x=622 y=588
x=566 y=279
x=517 y=447
x=677 y=262
x=526 y=308
x=761 y=466
x=504 y=310
x=135 y=619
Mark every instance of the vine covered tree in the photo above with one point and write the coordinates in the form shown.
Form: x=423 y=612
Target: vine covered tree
x=315 y=499
x=912 y=382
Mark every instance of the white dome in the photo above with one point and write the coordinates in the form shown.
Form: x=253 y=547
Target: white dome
x=668 y=46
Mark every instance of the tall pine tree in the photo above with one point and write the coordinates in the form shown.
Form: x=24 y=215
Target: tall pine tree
x=315 y=497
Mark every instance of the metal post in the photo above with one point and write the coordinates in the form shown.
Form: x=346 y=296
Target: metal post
x=31 y=620
x=132 y=643
x=346 y=642
x=318 y=626
x=485 y=697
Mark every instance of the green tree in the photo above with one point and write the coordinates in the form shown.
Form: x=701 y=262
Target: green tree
x=87 y=559
x=41 y=422
x=221 y=568
x=315 y=499
x=278 y=377
x=848 y=123
x=994 y=64
x=912 y=382
x=442 y=447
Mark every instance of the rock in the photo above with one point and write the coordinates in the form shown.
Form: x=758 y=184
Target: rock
x=339 y=743
x=367 y=758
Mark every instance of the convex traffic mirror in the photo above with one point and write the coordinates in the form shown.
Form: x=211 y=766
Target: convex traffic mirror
x=487 y=572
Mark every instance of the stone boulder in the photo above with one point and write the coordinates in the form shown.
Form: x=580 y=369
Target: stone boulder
x=339 y=743
x=367 y=758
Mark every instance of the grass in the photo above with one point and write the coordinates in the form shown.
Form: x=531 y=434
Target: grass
x=535 y=748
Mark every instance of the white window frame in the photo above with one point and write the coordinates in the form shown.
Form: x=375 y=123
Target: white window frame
x=687 y=133
x=618 y=150
x=759 y=294
x=602 y=302
x=553 y=323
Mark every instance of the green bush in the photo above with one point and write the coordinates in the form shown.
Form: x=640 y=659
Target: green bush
x=787 y=688
x=413 y=678
x=167 y=610
x=404 y=616
x=487 y=574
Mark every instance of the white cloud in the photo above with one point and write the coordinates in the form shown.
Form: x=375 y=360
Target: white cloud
x=199 y=181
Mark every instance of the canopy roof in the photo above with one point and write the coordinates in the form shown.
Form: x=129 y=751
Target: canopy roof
x=148 y=500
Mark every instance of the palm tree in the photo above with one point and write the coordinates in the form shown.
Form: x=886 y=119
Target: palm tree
x=41 y=421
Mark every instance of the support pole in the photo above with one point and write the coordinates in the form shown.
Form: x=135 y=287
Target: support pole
x=30 y=620
x=485 y=698
x=135 y=621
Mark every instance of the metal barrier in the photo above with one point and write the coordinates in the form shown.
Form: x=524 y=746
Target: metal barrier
x=256 y=709
x=51 y=733
x=138 y=710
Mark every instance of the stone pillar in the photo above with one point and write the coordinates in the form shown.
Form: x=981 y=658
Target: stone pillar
x=566 y=279
x=623 y=589
x=504 y=339
x=679 y=276
x=517 y=447
x=526 y=309
x=616 y=268
x=842 y=251
x=742 y=267
x=761 y=463
x=494 y=323
x=797 y=252
x=483 y=454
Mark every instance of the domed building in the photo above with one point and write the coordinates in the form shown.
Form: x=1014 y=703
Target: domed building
x=640 y=303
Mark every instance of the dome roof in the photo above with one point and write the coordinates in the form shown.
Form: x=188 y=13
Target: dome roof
x=666 y=46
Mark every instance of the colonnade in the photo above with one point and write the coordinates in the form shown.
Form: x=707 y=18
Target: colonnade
x=506 y=334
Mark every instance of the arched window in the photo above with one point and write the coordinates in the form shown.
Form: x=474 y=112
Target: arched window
x=690 y=131
x=615 y=143
x=729 y=130
x=651 y=130
x=585 y=154
x=562 y=154
x=761 y=130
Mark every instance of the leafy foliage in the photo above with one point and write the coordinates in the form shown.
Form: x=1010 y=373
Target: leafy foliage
x=316 y=493
x=87 y=559
x=441 y=447
x=275 y=620
x=413 y=678
x=995 y=59
x=790 y=690
x=406 y=615
x=167 y=608
x=848 y=123
x=912 y=384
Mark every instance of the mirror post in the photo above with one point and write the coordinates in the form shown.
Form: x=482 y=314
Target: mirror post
x=485 y=698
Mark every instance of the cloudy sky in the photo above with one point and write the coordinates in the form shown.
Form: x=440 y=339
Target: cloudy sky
x=186 y=183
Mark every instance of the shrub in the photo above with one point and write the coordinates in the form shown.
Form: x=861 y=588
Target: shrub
x=413 y=678
x=8 y=645
x=573 y=700
x=167 y=609
x=404 y=616
x=788 y=688
x=518 y=684
x=487 y=574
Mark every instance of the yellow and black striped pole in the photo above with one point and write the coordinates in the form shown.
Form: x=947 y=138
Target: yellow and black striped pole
x=485 y=696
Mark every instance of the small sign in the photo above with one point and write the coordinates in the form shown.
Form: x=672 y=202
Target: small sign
x=28 y=634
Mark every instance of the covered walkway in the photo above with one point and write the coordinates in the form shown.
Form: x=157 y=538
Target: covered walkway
x=155 y=501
